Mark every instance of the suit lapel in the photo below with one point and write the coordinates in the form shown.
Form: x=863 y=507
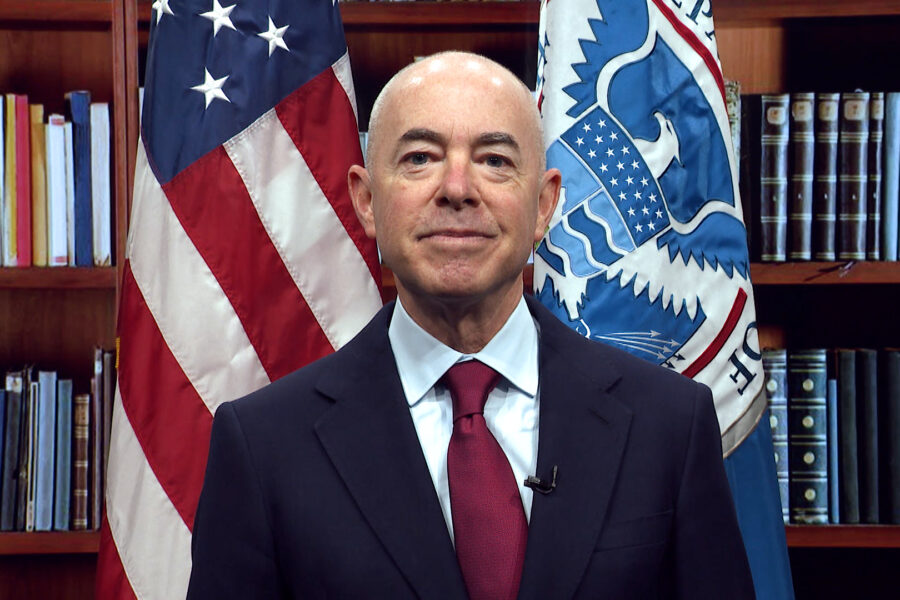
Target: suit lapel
x=583 y=430
x=370 y=438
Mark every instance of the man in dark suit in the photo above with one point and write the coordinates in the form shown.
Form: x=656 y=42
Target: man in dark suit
x=396 y=467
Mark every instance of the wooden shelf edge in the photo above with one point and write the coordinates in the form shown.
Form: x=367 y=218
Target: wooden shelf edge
x=825 y=273
x=56 y=11
x=49 y=542
x=731 y=11
x=843 y=536
x=58 y=278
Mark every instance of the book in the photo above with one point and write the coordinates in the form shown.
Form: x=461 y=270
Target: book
x=95 y=493
x=79 y=114
x=23 y=182
x=749 y=179
x=68 y=142
x=802 y=146
x=109 y=392
x=2 y=173
x=9 y=484
x=100 y=184
x=80 y=445
x=831 y=399
x=889 y=438
x=57 y=225
x=773 y=177
x=807 y=431
x=2 y=431
x=873 y=188
x=867 y=433
x=852 y=177
x=825 y=176
x=10 y=187
x=775 y=368
x=732 y=107
x=847 y=455
x=39 y=221
x=62 y=485
x=31 y=453
x=45 y=451
x=890 y=181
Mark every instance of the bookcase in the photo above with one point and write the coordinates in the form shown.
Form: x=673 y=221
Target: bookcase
x=54 y=317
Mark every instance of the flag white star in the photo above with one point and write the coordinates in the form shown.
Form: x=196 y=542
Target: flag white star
x=622 y=196
x=212 y=88
x=614 y=182
x=637 y=195
x=609 y=152
x=162 y=6
x=652 y=197
x=603 y=168
x=659 y=214
x=620 y=166
x=219 y=16
x=592 y=154
x=644 y=181
x=631 y=212
x=601 y=123
x=651 y=226
x=624 y=150
x=629 y=180
x=579 y=141
x=639 y=228
x=586 y=127
x=598 y=139
x=613 y=136
x=634 y=164
x=274 y=36
x=645 y=211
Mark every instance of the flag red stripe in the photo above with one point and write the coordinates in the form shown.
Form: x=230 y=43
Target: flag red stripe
x=169 y=418
x=111 y=583
x=320 y=120
x=696 y=44
x=704 y=359
x=213 y=206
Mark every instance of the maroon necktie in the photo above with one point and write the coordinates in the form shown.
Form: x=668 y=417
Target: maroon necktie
x=488 y=519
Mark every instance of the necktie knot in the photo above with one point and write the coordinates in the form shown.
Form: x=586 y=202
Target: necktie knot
x=469 y=384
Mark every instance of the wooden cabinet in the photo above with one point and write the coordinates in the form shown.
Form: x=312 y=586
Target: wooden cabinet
x=54 y=317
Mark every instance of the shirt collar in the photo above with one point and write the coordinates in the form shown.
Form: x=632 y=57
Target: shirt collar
x=423 y=359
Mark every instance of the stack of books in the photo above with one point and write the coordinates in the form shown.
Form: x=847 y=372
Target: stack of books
x=54 y=444
x=55 y=183
x=835 y=419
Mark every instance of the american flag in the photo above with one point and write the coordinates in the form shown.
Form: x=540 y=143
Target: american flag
x=244 y=259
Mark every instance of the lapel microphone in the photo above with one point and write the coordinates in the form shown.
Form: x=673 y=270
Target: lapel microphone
x=539 y=485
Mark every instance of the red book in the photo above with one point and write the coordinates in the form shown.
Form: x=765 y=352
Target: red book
x=23 y=181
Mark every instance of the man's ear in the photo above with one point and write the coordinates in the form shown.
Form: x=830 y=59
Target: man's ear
x=360 y=185
x=547 y=199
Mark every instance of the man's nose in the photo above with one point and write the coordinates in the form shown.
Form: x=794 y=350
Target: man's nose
x=457 y=188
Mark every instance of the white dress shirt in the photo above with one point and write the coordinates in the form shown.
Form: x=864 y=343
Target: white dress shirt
x=511 y=411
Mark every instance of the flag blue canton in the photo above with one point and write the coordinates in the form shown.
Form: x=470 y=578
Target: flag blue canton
x=189 y=39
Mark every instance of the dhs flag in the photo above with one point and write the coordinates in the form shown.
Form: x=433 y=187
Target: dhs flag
x=647 y=250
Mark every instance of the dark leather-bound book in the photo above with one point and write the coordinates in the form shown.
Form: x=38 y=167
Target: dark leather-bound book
x=773 y=177
x=873 y=189
x=775 y=367
x=847 y=456
x=751 y=127
x=867 y=433
x=802 y=146
x=13 y=427
x=62 y=486
x=834 y=503
x=889 y=440
x=825 y=176
x=79 y=113
x=80 y=450
x=852 y=175
x=807 y=431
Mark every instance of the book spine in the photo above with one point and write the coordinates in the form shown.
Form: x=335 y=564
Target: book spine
x=847 y=455
x=45 y=451
x=80 y=429
x=867 y=433
x=96 y=448
x=23 y=182
x=79 y=111
x=100 y=184
x=56 y=191
x=852 y=177
x=11 y=452
x=889 y=413
x=69 y=143
x=825 y=176
x=890 y=182
x=751 y=127
x=39 y=245
x=807 y=431
x=2 y=178
x=873 y=189
x=10 y=218
x=34 y=403
x=62 y=488
x=2 y=427
x=773 y=177
x=25 y=440
x=832 y=441
x=801 y=196
x=775 y=367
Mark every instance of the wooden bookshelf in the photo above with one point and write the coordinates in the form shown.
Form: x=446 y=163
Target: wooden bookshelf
x=59 y=278
x=825 y=273
x=843 y=536
x=49 y=542
x=81 y=12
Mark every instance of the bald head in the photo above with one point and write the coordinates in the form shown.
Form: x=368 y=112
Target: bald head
x=436 y=70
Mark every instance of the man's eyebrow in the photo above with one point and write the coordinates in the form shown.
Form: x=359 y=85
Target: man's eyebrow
x=422 y=134
x=497 y=137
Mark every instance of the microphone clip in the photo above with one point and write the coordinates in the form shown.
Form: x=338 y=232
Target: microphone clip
x=539 y=485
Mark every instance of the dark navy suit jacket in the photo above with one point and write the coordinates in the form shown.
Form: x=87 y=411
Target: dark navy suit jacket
x=316 y=485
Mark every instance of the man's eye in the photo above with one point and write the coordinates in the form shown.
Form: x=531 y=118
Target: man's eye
x=417 y=158
x=495 y=161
